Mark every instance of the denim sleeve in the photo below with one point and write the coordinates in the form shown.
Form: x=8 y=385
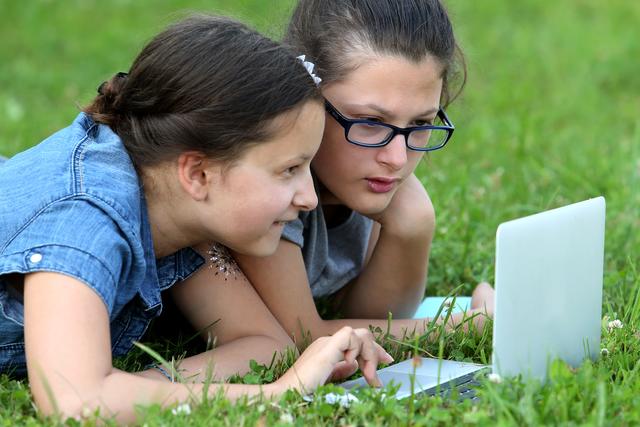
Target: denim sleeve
x=75 y=238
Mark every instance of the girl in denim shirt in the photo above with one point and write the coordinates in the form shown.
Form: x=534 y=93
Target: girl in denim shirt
x=208 y=138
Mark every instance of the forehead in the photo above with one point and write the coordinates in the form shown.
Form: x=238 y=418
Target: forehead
x=295 y=134
x=393 y=82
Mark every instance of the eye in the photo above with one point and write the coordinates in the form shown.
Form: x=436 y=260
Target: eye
x=291 y=170
x=423 y=122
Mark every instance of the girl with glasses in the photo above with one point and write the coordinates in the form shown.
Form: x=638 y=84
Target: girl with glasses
x=207 y=139
x=388 y=69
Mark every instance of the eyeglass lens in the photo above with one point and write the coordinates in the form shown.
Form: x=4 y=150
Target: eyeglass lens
x=372 y=134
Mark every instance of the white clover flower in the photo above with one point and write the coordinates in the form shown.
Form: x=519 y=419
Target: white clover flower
x=615 y=324
x=86 y=412
x=494 y=378
x=183 y=409
x=343 y=400
x=604 y=352
x=286 y=418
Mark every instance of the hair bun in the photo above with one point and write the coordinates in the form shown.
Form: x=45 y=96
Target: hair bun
x=106 y=103
x=116 y=82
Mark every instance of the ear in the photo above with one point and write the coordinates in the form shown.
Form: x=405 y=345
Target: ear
x=195 y=173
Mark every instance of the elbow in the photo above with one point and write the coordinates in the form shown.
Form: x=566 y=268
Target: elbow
x=270 y=343
x=64 y=401
x=282 y=343
x=72 y=407
x=64 y=407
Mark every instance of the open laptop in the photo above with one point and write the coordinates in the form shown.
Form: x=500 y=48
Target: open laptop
x=548 y=284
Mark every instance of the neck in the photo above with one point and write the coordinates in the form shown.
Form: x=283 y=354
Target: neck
x=333 y=209
x=169 y=231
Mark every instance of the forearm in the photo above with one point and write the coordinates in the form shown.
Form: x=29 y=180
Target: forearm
x=395 y=277
x=399 y=328
x=120 y=392
x=228 y=360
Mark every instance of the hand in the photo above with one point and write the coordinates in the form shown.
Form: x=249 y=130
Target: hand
x=346 y=368
x=483 y=299
x=334 y=357
x=410 y=209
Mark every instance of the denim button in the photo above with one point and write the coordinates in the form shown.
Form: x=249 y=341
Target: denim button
x=35 y=258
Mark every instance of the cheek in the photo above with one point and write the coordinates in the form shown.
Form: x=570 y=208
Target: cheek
x=253 y=203
x=336 y=157
x=271 y=203
x=414 y=160
x=328 y=153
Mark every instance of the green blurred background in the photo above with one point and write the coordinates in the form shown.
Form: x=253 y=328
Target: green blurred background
x=549 y=115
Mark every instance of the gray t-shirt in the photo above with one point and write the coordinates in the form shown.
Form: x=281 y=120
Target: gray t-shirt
x=332 y=256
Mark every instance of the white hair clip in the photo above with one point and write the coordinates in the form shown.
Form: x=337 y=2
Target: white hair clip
x=310 y=66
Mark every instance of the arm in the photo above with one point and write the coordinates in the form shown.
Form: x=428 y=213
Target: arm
x=394 y=278
x=281 y=281
x=231 y=313
x=69 y=356
x=395 y=274
x=70 y=369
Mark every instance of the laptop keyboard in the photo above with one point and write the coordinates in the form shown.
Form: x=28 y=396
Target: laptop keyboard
x=416 y=380
x=465 y=387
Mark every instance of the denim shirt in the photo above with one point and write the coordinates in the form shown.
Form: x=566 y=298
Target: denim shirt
x=73 y=205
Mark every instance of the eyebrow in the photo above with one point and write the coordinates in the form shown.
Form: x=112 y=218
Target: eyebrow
x=300 y=158
x=388 y=113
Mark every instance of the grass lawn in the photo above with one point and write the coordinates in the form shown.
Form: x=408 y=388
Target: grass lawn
x=550 y=115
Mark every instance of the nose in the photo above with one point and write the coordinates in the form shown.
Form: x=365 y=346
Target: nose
x=305 y=197
x=394 y=154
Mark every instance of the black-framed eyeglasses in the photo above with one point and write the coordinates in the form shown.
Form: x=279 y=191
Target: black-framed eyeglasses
x=369 y=133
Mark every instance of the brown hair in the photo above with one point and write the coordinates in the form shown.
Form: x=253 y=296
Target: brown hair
x=208 y=84
x=332 y=32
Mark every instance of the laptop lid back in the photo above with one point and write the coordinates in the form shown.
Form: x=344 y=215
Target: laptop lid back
x=548 y=282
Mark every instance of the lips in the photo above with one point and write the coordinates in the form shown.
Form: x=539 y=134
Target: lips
x=381 y=184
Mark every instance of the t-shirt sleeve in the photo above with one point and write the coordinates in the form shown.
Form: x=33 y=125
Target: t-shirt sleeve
x=76 y=238
x=293 y=232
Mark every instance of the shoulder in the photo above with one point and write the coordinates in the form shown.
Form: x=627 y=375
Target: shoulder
x=72 y=205
x=83 y=164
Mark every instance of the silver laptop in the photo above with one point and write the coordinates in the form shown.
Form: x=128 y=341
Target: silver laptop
x=548 y=282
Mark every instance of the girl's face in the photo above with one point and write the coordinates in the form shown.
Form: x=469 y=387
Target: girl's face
x=389 y=89
x=268 y=186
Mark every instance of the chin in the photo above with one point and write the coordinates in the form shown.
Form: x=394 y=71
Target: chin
x=369 y=205
x=264 y=252
x=368 y=210
x=264 y=248
x=260 y=248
